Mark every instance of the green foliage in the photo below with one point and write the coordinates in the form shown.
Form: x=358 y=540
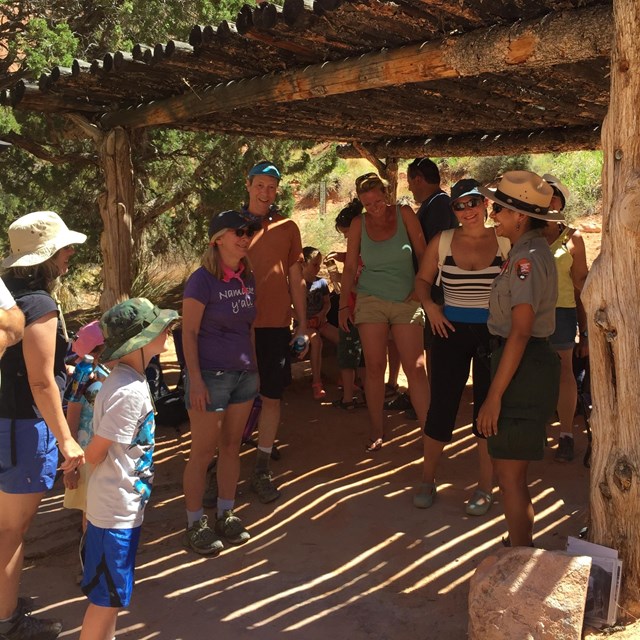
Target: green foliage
x=581 y=172
x=46 y=45
x=8 y=121
x=320 y=232
x=486 y=170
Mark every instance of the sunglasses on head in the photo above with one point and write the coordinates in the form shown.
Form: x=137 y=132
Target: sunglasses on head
x=469 y=204
x=247 y=231
x=367 y=177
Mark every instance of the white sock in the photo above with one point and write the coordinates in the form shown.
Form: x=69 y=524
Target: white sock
x=193 y=517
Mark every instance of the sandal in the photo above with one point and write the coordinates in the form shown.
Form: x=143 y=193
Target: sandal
x=318 y=391
x=375 y=444
x=479 y=503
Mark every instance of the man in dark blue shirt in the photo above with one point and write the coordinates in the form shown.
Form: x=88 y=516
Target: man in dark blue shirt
x=435 y=213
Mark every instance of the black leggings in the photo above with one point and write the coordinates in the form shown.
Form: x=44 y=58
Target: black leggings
x=450 y=361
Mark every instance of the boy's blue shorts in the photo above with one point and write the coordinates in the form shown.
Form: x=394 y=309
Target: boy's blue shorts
x=109 y=563
x=28 y=456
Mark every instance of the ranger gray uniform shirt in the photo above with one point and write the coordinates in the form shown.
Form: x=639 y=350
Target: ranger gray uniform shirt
x=528 y=276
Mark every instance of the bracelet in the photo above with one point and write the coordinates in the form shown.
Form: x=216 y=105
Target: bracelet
x=343 y=308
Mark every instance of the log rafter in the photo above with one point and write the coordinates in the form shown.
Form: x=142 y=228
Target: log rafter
x=585 y=34
x=482 y=144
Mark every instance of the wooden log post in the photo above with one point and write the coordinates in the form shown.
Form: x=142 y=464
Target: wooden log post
x=116 y=205
x=116 y=209
x=391 y=176
x=611 y=297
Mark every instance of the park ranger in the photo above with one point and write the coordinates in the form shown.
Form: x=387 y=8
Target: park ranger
x=525 y=368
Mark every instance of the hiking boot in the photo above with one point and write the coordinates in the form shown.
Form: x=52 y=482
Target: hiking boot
x=262 y=485
x=210 y=497
x=24 y=627
x=564 y=452
x=201 y=539
x=400 y=403
x=229 y=527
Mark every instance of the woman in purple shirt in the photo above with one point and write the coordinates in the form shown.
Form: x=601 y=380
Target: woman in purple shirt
x=222 y=380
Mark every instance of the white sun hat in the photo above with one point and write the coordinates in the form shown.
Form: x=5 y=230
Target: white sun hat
x=35 y=237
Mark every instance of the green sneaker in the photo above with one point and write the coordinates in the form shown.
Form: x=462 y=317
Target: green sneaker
x=425 y=495
x=229 y=527
x=262 y=484
x=201 y=539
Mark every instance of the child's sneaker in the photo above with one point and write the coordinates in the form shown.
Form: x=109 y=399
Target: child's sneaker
x=229 y=527
x=201 y=538
x=262 y=484
x=24 y=627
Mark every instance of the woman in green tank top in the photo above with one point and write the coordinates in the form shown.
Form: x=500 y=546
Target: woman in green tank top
x=385 y=237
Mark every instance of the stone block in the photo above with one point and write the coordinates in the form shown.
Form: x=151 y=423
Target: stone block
x=528 y=594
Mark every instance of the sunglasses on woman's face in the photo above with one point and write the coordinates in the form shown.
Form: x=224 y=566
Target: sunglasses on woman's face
x=469 y=204
x=497 y=208
x=249 y=232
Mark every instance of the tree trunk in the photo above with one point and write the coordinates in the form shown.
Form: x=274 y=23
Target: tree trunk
x=611 y=298
x=116 y=209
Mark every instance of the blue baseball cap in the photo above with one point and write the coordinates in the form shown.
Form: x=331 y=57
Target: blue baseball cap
x=465 y=187
x=265 y=168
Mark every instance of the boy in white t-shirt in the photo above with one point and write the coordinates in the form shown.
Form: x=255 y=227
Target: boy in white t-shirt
x=121 y=450
x=11 y=319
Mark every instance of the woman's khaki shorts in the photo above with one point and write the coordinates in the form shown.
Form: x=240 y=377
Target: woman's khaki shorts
x=370 y=309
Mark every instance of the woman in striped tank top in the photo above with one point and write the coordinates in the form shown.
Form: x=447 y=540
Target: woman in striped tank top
x=466 y=260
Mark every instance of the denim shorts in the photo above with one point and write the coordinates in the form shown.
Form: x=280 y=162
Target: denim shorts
x=28 y=456
x=109 y=564
x=226 y=387
x=564 y=337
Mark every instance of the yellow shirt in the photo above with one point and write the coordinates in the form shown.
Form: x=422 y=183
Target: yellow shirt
x=564 y=262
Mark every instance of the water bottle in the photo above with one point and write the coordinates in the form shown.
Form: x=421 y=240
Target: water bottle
x=299 y=345
x=80 y=380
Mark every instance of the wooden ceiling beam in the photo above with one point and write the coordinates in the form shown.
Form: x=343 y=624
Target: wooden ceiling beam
x=560 y=38
x=555 y=140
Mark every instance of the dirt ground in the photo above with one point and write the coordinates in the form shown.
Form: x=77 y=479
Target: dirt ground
x=342 y=554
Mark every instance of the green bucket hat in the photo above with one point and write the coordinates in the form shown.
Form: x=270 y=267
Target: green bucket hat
x=131 y=325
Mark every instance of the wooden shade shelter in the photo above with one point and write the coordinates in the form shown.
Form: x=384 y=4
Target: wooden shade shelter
x=388 y=79
x=403 y=79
